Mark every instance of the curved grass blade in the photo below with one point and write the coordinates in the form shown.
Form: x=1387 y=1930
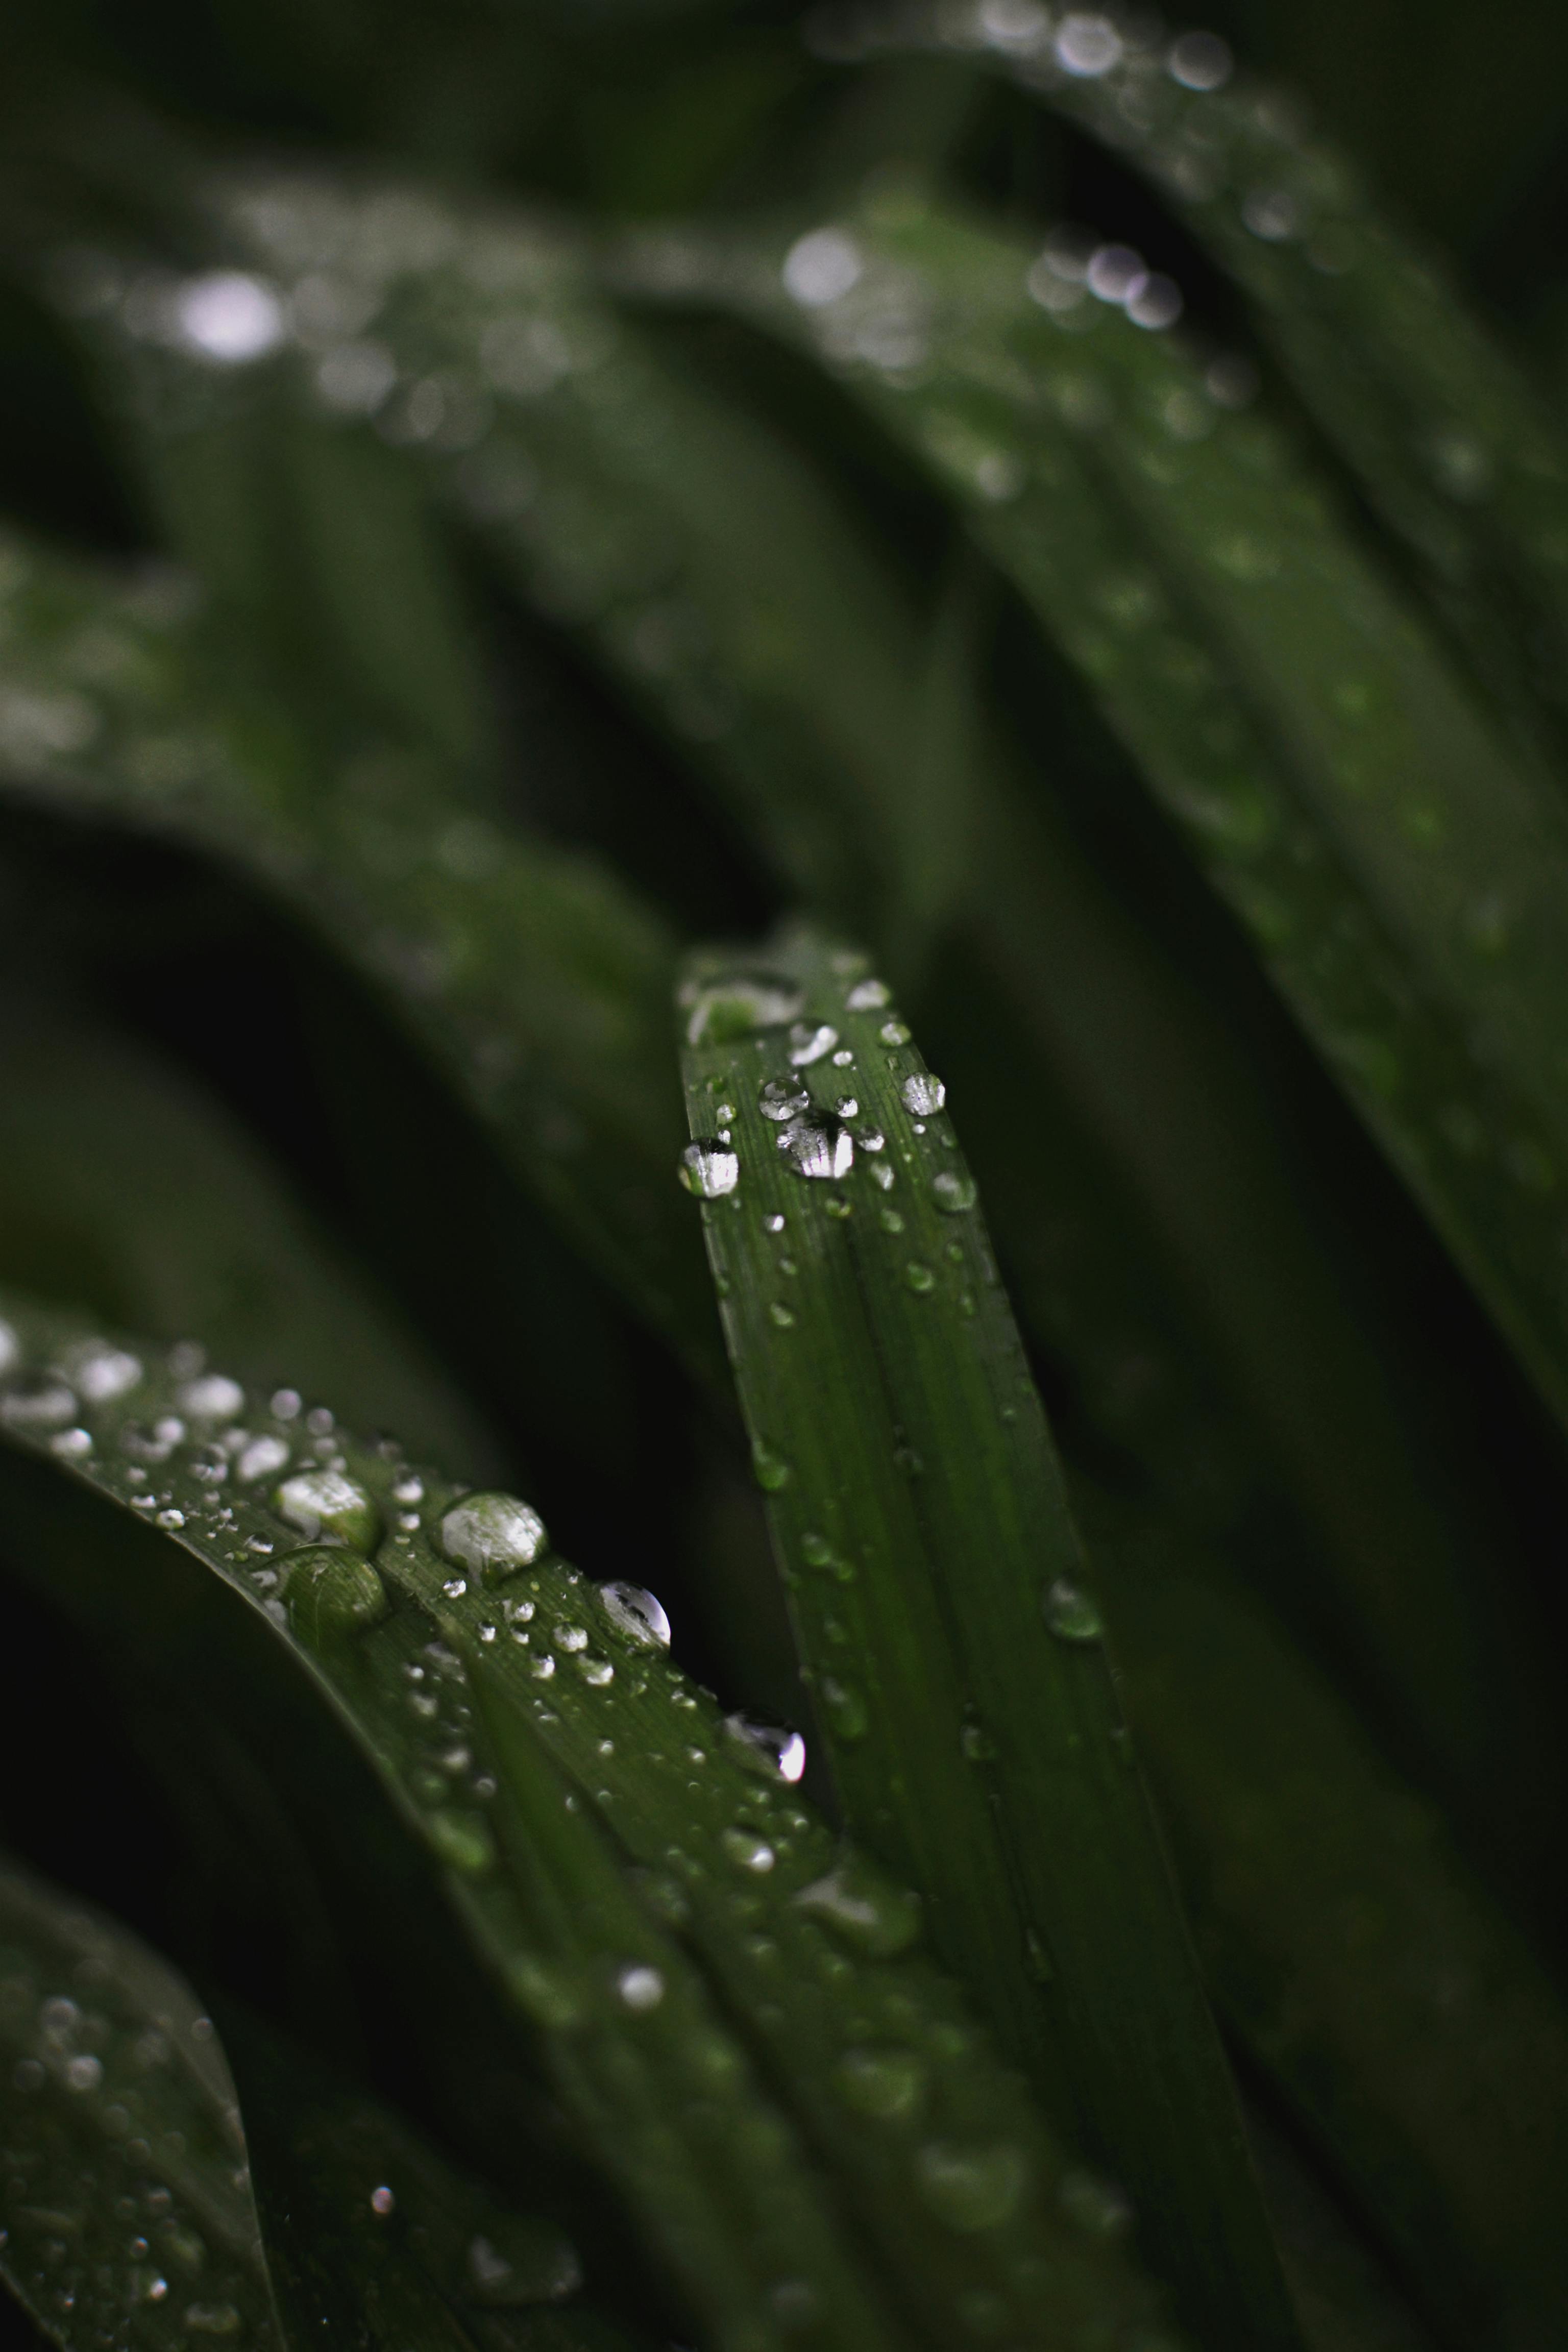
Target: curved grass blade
x=1403 y=877
x=499 y=1698
x=122 y=1186
x=532 y=977
x=126 y=2212
x=1453 y=445
x=1347 y=1948
x=938 y=1592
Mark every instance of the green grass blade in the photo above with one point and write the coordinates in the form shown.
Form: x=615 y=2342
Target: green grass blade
x=126 y=2212
x=500 y=1717
x=1351 y=1952
x=126 y=1189
x=533 y=980
x=939 y=1590
x=1404 y=877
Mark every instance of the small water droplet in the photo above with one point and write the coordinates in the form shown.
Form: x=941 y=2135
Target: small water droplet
x=98 y=1370
x=1070 y=1613
x=491 y=1534
x=917 y=1277
x=570 y=1637
x=211 y=1396
x=739 y=1005
x=709 y=1169
x=640 y=1987
x=262 y=1458
x=84 y=2072
x=461 y=1840
x=923 y=1094
x=863 y=1909
x=71 y=1444
x=171 y=1518
x=211 y=2320
x=332 y=1590
x=953 y=1193
x=541 y=1665
x=844 y=1706
x=381 y=2200
x=637 y=1613
x=783 y=1099
x=971 y=2189
x=773 y=1224
x=808 y=1042
x=747 y=1851
x=770 y=1470
x=534 y=2262
x=328 y=1502
x=817 y=1148
x=769 y=1749
x=781 y=1316
x=547 y=1994
x=978 y=1746
x=867 y=996
x=889 y=2084
x=894 y=1033
x=595 y=1671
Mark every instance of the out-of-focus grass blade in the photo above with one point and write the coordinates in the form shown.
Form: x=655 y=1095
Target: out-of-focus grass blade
x=1405 y=877
x=1452 y=444
x=532 y=978
x=938 y=1589
x=126 y=2213
x=1399 y=2016
x=503 y=1703
x=123 y=1189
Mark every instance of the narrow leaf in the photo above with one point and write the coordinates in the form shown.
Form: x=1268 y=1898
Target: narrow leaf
x=938 y=1592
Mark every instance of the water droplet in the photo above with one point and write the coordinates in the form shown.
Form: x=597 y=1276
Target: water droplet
x=332 y=1590
x=863 y=1909
x=883 y=1178
x=917 y=1277
x=887 y=2083
x=595 y=1671
x=709 y=1168
x=817 y=1552
x=1199 y=61
x=781 y=1316
x=36 y=1400
x=381 y=2200
x=461 y=1840
x=894 y=1033
x=813 y=1150
x=84 y=2072
x=328 y=1502
x=769 y=1749
x=867 y=996
x=534 y=2263
x=737 y=1006
x=972 y=2188
x=782 y=1099
x=211 y=1396
x=540 y=1667
x=547 y=1994
x=171 y=1518
x=570 y=1637
x=635 y=1613
x=978 y=1746
x=770 y=1470
x=1070 y=1613
x=837 y=1206
x=747 y=1851
x=953 y=1193
x=98 y=1370
x=641 y=1987
x=71 y=1444
x=808 y=1042
x=493 y=1534
x=844 y=1706
x=923 y=1094
x=820 y=267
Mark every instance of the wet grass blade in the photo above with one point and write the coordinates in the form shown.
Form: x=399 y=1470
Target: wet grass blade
x=126 y=2204
x=1399 y=2016
x=533 y=979
x=938 y=1592
x=504 y=1704
x=1402 y=875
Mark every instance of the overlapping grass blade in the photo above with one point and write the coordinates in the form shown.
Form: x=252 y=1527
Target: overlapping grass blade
x=503 y=1704
x=126 y=2211
x=1453 y=445
x=939 y=1590
x=1402 y=873
x=123 y=1188
x=1351 y=1952
x=532 y=977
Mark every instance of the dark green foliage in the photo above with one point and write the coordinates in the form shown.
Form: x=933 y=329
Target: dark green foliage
x=553 y=558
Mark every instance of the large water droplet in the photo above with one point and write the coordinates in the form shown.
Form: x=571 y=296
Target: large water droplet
x=863 y=1909
x=769 y=1749
x=98 y=1370
x=923 y=1094
x=737 y=1006
x=817 y=1148
x=36 y=1400
x=809 y=1041
x=1070 y=1613
x=709 y=1168
x=332 y=1590
x=635 y=1613
x=493 y=1534
x=887 y=2083
x=972 y=2188
x=329 y=1502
